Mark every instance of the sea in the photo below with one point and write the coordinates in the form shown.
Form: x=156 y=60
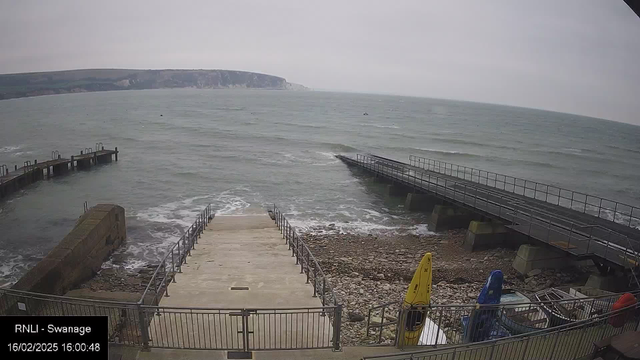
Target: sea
x=244 y=150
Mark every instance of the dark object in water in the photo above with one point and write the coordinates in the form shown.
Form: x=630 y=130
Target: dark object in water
x=365 y=114
x=160 y=114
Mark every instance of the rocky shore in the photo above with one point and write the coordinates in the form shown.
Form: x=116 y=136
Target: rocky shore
x=369 y=270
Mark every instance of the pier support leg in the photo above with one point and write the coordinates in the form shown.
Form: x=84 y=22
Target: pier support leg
x=484 y=235
x=381 y=180
x=610 y=282
x=396 y=190
x=450 y=217
x=531 y=257
x=84 y=164
x=421 y=202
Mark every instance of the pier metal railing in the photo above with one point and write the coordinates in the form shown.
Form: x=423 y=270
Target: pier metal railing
x=568 y=342
x=176 y=255
x=572 y=237
x=612 y=210
x=308 y=263
x=465 y=323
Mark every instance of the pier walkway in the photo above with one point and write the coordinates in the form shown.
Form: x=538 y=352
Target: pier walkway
x=12 y=180
x=577 y=225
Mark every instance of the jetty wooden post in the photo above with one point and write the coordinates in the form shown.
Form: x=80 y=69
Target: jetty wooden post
x=73 y=166
x=116 y=153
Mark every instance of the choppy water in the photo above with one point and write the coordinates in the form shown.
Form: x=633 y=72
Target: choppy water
x=242 y=149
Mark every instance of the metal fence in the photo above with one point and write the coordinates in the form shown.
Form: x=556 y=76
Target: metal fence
x=191 y=328
x=567 y=342
x=243 y=329
x=308 y=263
x=171 y=263
x=558 y=231
x=616 y=211
x=124 y=318
x=454 y=324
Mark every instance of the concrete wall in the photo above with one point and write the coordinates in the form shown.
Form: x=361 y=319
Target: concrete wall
x=80 y=254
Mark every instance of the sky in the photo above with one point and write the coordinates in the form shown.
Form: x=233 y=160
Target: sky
x=575 y=56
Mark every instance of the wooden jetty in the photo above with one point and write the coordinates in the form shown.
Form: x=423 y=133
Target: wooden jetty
x=12 y=180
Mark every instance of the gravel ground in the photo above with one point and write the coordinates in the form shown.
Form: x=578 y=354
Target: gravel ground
x=119 y=279
x=368 y=270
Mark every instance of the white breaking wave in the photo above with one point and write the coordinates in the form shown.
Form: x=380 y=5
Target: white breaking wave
x=11 y=268
x=180 y=212
x=381 y=126
x=441 y=151
x=421 y=229
x=20 y=153
x=6 y=149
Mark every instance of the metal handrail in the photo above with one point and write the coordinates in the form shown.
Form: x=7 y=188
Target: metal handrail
x=563 y=329
x=446 y=310
x=450 y=189
x=175 y=257
x=308 y=263
x=538 y=188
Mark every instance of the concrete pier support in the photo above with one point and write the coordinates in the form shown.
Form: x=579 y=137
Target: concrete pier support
x=484 y=235
x=376 y=179
x=450 y=217
x=84 y=163
x=103 y=159
x=421 y=202
x=531 y=257
x=610 y=282
x=396 y=190
x=60 y=169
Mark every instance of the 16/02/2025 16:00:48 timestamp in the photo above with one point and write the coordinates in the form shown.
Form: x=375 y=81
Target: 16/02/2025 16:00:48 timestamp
x=53 y=347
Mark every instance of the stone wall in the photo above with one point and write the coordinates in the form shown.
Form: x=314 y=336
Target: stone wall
x=80 y=254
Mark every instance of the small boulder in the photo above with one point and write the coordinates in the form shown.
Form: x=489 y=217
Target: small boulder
x=534 y=272
x=355 y=316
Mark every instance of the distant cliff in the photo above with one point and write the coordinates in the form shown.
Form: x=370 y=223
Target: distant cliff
x=73 y=81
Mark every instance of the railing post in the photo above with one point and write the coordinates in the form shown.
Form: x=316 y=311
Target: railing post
x=308 y=263
x=301 y=259
x=179 y=258
x=570 y=233
x=315 y=282
x=173 y=268
x=337 y=324
x=324 y=284
x=166 y=286
x=144 y=330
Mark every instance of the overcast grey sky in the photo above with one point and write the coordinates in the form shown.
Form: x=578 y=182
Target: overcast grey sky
x=577 y=56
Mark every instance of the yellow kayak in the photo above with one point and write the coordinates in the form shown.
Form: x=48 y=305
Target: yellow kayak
x=418 y=294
